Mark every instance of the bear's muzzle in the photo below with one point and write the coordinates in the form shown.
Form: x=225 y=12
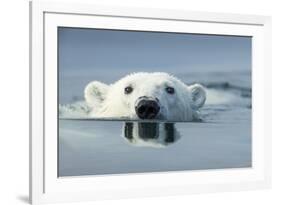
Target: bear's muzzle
x=147 y=107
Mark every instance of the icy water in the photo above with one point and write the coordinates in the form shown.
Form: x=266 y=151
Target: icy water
x=221 y=140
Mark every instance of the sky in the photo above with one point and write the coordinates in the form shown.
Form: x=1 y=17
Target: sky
x=107 y=55
x=95 y=49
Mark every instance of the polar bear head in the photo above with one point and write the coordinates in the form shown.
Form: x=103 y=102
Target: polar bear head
x=146 y=96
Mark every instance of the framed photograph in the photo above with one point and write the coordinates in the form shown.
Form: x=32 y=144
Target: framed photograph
x=129 y=102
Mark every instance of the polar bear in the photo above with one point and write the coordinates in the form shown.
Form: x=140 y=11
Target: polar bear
x=145 y=96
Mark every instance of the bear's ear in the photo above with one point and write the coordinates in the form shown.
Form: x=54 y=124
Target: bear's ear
x=198 y=95
x=95 y=93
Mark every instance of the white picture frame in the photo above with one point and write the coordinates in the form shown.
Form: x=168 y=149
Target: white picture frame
x=46 y=187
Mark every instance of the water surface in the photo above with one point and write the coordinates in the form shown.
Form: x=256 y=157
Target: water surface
x=221 y=140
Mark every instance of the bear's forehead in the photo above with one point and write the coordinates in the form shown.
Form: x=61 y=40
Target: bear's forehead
x=148 y=78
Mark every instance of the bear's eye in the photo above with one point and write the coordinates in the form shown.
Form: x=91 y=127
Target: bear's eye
x=170 y=90
x=128 y=90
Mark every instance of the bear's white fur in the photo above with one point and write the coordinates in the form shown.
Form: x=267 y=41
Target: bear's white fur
x=111 y=100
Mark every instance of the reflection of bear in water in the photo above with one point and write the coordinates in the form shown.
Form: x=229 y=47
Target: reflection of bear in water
x=146 y=96
x=150 y=134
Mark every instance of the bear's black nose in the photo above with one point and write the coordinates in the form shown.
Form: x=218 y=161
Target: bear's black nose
x=147 y=108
